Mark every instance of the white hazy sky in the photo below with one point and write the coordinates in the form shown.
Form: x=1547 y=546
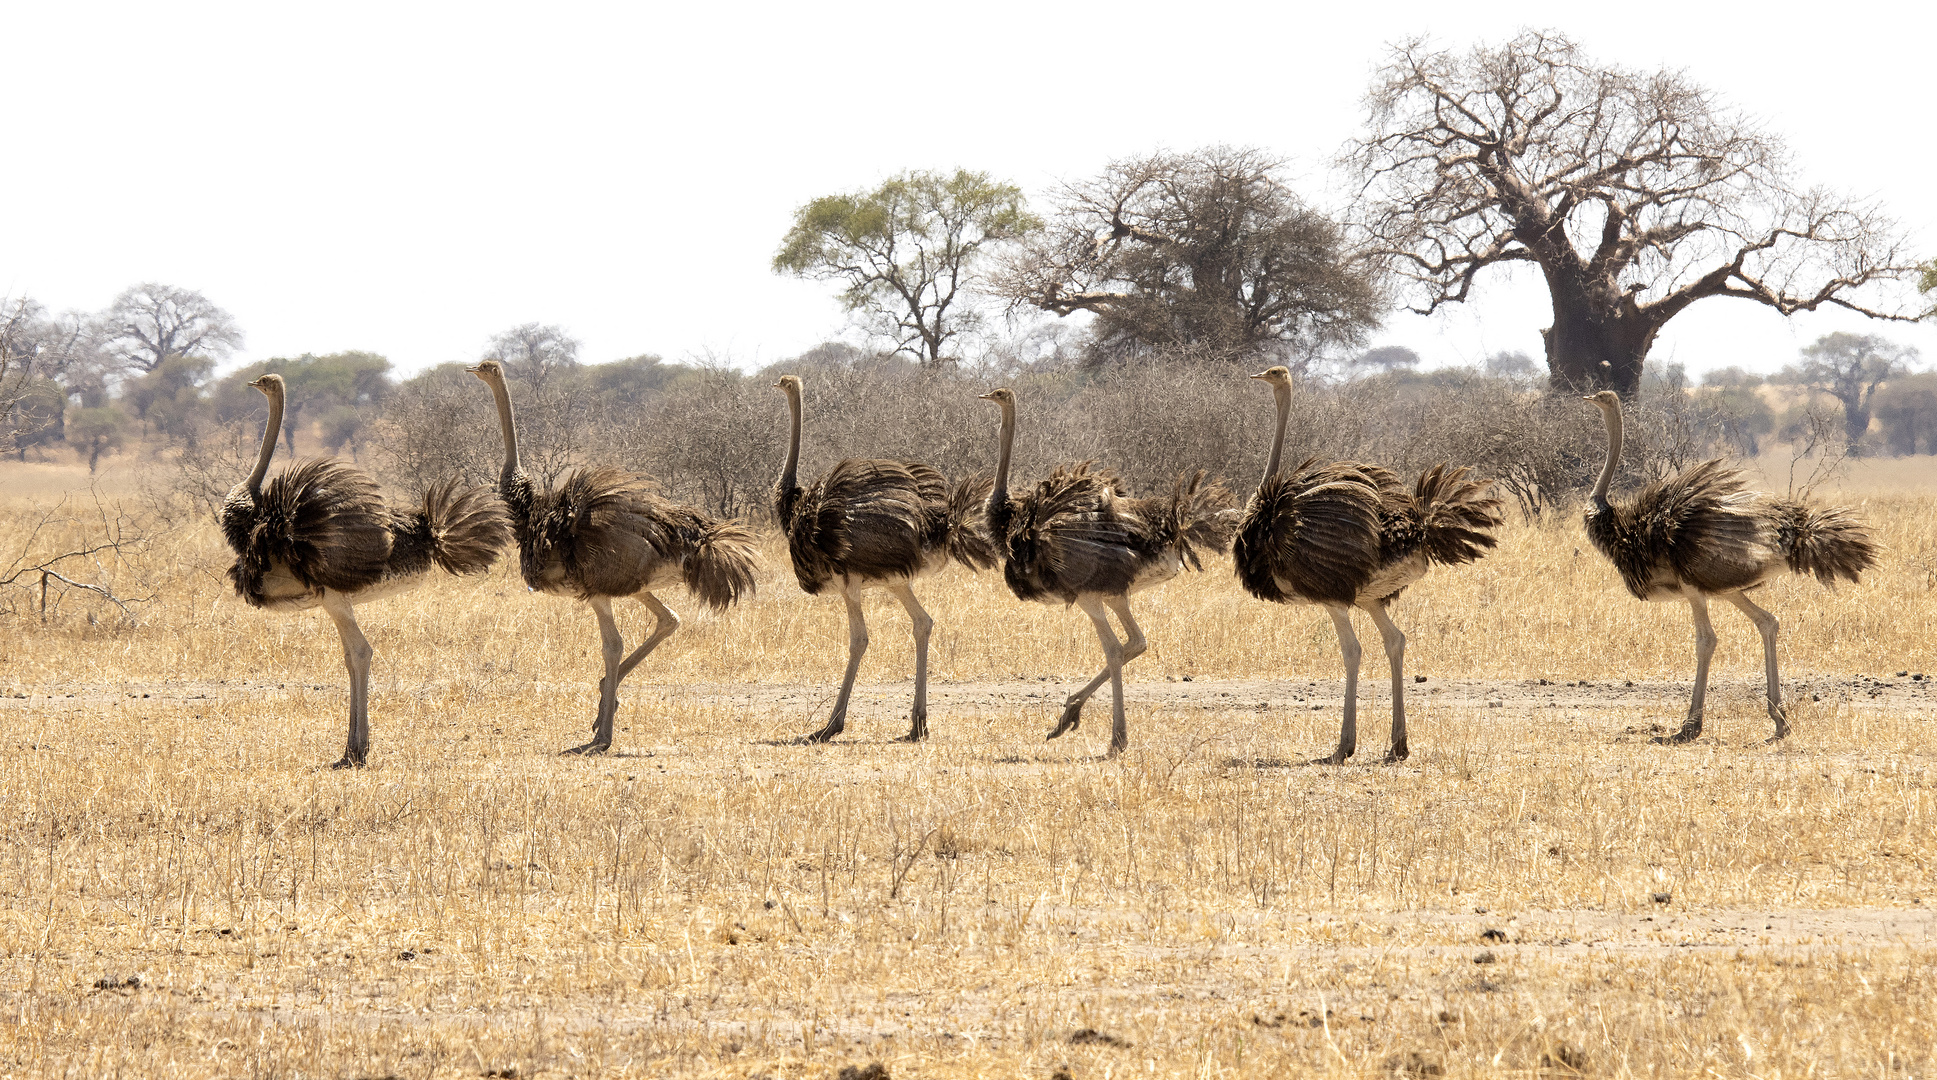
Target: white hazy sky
x=411 y=179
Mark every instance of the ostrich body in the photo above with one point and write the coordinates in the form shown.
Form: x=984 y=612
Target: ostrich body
x=317 y=534
x=873 y=523
x=1078 y=539
x=1347 y=534
x=1700 y=535
x=600 y=534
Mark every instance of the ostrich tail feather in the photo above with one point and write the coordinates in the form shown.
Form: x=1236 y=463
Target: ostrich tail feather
x=1826 y=541
x=1457 y=514
x=723 y=564
x=969 y=542
x=468 y=527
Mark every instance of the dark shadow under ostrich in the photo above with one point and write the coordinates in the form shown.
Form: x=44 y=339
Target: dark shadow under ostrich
x=317 y=534
x=1700 y=534
x=602 y=533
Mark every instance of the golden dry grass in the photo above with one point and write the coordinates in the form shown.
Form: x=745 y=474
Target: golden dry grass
x=713 y=901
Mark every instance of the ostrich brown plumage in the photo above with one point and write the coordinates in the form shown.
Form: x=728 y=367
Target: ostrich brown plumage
x=872 y=523
x=318 y=535
x=1347 y=534
x=599 y=534
x=1077 y=538
x=1700 y=534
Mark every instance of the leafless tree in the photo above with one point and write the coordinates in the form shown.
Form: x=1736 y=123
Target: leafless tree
x=1635 y=194
x=150 y=322
x=16 y=366
x=1207 y=252
x=533 y=353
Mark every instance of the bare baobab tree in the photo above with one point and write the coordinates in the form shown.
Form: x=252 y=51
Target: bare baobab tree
x=1635 y=194
x=317 y=534
x=1699 y=535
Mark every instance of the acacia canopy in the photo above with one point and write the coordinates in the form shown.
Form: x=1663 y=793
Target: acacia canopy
x=907 y=252
x=1634 y=193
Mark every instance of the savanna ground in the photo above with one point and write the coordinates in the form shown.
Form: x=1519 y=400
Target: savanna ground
x=187 y=890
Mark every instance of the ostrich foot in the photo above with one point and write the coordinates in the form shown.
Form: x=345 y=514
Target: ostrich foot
x=593 y=747
x=917 y=731
x=350 y=761
x=1337 y=757
x=1781 y=717
x=1689 y=733
x=1396 y=755
x=825 y=734
x=1071 y=719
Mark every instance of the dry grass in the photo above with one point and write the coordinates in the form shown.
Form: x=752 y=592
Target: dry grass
x=711 y=901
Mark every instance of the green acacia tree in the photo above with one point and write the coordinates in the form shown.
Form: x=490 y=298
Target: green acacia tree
x=906 y=251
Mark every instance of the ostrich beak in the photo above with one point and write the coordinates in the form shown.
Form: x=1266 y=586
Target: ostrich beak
x=1259 y=375
x=990 y=396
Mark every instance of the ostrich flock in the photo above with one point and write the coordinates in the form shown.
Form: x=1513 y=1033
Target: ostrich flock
x=1337 y=534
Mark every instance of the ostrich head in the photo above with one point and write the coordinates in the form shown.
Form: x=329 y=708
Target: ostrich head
x=271 y=385
x=1001 y=395
x=487 y=370
x=1606 y=401
x=1279 y=375
x=788 y=384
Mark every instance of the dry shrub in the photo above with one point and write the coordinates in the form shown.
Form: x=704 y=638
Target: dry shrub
x=717 y=440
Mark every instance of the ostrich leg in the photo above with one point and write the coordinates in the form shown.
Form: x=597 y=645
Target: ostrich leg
x=1133 y=648
x=1765 y=624
x=857 y=647
x=1113 y=658
x=356 y=657
x=1704 y=649
x=666 y=622
x=1349 y=651
x=1395 y=651
x=611 y=650
x=918 y=728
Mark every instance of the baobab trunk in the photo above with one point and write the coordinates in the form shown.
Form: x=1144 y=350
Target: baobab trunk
x=1591 y=348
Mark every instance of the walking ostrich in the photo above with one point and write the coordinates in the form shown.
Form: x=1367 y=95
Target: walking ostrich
x=600 y=534
x=1699 y=535
x=318 y=535
x=872 y=523
x=1079 y=539
x=1347 y=534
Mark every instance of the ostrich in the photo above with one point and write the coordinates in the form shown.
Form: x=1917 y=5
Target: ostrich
x=1079 y=539
x=318 y=535
x=1348 y=534
x=601 y=533
x=874 y=523
x=1699 y=535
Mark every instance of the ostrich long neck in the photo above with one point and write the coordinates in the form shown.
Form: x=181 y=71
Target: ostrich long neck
x=788 y=471
x=510 y=429
x=270 y=433
x=999 y=494
x=1613 y=417
x=1283 y=394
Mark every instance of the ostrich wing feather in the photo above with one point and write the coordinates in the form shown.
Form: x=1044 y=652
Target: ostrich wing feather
x=1311 y=534
x=322 y=519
